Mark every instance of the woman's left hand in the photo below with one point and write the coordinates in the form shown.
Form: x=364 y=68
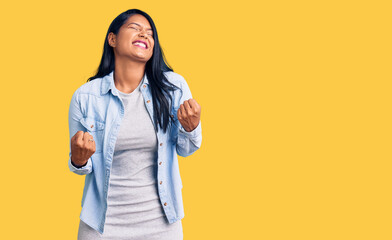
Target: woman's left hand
x=189 y=114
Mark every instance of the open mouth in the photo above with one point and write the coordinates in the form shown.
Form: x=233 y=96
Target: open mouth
x=140 y=44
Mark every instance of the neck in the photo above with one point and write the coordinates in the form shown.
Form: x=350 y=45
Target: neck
x=127 y=75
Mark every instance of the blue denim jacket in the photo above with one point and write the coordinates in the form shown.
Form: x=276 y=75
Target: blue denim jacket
x=97 y=108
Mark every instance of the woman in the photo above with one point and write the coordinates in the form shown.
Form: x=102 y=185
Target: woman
x=128 y=123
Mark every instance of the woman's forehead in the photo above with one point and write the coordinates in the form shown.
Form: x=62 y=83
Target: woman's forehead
x=138 y=20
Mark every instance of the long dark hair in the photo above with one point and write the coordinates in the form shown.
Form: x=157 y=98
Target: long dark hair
x=155 y=67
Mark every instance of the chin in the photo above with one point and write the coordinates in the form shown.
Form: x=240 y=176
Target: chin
x=142 y=60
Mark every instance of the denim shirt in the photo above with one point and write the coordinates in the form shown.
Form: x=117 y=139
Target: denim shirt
x=97 y=108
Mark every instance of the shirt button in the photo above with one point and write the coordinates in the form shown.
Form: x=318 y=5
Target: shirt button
x=172 y=116
x=160 y=144
x=148 y=101
x=160 y=163
x=144 y=86
x=165 y=204
x=160 y=182
x=91 y=126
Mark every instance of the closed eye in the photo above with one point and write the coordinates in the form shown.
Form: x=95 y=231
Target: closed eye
x=149 y=34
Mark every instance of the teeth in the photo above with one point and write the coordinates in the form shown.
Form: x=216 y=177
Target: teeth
x=140 y=44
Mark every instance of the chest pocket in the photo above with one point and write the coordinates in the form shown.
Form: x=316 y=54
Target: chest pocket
x=96 y=129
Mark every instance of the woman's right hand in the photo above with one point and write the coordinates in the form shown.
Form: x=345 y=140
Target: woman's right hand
x=82 y=148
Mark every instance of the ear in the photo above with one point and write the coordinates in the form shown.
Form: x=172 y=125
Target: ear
x=112 y=39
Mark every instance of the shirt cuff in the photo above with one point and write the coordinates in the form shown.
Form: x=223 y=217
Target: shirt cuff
x=192 y=134
x=82 y=170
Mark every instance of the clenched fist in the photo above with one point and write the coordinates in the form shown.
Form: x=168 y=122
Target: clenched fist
x=189 y=114
x=82 y=147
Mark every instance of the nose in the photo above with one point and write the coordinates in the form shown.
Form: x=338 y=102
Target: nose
x=142 y=34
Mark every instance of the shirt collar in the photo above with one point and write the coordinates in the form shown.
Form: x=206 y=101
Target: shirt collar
x=108 y=83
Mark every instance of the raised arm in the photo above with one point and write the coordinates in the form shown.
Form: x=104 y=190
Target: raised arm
x=189 y=134
x=78 y=140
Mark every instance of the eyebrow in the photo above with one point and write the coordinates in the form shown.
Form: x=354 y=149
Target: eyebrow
x=138 y=25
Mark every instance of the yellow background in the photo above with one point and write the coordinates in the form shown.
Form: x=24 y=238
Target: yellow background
x=296 y=112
